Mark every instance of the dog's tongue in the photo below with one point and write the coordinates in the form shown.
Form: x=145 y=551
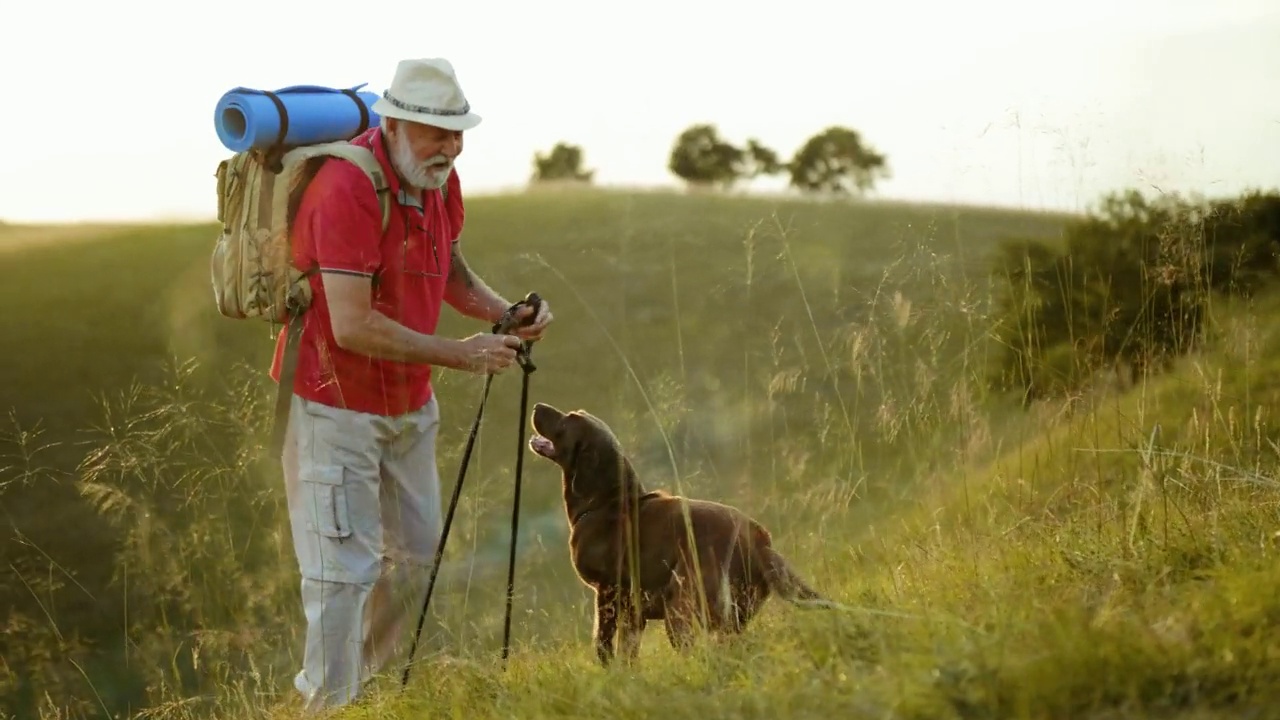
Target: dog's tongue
x=541 y=445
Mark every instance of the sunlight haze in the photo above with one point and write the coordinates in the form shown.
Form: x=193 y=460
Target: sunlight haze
x=1028 y=105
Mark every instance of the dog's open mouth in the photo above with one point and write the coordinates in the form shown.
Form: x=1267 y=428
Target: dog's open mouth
x=542 y=446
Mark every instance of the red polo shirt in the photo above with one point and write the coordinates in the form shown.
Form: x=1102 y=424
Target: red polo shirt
x=338 y=228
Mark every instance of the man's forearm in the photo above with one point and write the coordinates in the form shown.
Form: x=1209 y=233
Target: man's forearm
x=469 y=295
x=379 y=336
x=478 y=302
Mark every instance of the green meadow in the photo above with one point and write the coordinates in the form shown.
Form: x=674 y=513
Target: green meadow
x=825 y=366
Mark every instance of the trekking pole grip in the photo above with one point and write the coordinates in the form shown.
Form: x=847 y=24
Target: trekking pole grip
x=508 y=322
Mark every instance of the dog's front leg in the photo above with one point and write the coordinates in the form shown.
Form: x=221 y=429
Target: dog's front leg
x=606 y=624
x=631 y=623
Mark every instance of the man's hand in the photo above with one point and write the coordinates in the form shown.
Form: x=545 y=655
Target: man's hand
x=532 y=331
x=486 y=353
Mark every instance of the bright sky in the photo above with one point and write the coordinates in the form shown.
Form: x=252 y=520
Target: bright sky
x=109 y=105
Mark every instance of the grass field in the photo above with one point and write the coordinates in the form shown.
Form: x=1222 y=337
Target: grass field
x=821 y=363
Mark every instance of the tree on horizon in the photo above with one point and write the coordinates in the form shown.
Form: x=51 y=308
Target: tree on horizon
x=837 y=160
x=564 y=162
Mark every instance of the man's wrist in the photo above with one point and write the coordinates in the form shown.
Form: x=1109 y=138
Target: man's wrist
x=499 y=310
x=452 y=353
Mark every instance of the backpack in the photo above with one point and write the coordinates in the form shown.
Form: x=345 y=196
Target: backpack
x=251 y=266
x=258 y=194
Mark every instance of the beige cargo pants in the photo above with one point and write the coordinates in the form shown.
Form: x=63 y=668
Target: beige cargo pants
x=364 y=506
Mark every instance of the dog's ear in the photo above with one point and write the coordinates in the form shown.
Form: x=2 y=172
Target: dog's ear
x=598 y=465
x=570 y=442
x=567 y=439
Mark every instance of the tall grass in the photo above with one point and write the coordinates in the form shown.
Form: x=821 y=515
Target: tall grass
x=1096 y=554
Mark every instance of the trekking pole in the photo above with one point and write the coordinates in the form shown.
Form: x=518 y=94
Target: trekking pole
x=444 y=533
x=503 y=326
x=526 y=364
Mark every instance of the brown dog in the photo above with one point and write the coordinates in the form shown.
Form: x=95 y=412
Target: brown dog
x=635 y=549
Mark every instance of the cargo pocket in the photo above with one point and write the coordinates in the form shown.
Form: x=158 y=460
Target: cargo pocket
x=328 y=501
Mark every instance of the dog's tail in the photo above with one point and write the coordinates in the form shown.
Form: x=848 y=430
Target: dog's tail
x=785 y=582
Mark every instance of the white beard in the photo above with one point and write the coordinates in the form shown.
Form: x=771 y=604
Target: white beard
x=429 y=175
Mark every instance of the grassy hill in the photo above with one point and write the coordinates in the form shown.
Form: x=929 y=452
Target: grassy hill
x=1119 y=561
x=820 y=365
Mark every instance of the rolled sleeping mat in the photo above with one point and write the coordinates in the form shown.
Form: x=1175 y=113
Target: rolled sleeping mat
x=297 y=115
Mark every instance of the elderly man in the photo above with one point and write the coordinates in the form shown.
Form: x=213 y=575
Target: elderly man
x=360 y=446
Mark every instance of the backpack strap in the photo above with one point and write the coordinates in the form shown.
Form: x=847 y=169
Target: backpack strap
x=284 y=391
x=357 y=155
x=364 y=159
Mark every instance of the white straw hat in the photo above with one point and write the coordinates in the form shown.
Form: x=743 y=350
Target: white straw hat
x=427 y=91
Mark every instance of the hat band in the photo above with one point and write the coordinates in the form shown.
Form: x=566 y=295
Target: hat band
x=423 y=109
